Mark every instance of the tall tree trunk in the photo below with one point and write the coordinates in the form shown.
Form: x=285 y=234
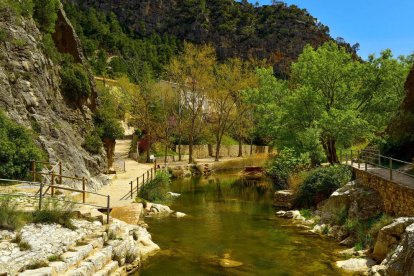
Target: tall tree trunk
x=190 y=149
x=218 y=145
x=329 y=145
x=109 y=145
x=165 y=154
x=240 y=148
x=179 y=149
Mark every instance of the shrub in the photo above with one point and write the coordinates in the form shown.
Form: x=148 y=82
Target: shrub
x=321 y=183
x=17 y=149
x=75 y=83
x=10 y=217
x=93 y=143
x=54 y=211
x=24 y=246
x=157 y=189
x=49 y=47
x=286 y=163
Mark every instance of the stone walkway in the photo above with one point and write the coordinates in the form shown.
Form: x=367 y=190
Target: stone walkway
x=397 y=177
x=120 y=184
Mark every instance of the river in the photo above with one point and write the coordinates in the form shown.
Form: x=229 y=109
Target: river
x=233 y=218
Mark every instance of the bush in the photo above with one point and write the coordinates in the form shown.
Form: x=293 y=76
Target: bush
x=17 y=149
x=157 y=189
x=321 y=183
x=75 y=83
x=93 y=143
x=10 y=217
x=285 y=164
x=54 y=211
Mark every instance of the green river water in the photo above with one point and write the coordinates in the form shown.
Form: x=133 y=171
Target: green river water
x=227 y=215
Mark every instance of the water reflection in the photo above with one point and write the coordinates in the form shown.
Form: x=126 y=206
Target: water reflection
x=233 y=217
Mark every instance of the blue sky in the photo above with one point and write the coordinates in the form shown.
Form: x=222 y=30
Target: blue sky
x=375 y=24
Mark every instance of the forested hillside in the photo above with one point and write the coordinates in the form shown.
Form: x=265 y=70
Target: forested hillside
x=277 y=33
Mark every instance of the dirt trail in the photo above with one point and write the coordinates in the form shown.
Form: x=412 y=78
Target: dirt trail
x=120 y=184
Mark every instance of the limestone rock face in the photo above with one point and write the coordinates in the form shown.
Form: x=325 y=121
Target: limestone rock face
x=401 y=262
x=389 y=237
x=361 y=203
x=284 y=199
x=30 y=95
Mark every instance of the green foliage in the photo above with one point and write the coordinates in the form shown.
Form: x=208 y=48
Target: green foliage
x=339 y=216
x=285 y=164
x=10 y=217
x=75 y=83
x=93 y=143
x=321 y=183
x=157 y=189
x=22 y=7
x=24 y=246
x=45 y=14
x=306 y=213
x=107 y=117
x=17 y=149
x=54 y=211
x=102 y=36
x=49 y=47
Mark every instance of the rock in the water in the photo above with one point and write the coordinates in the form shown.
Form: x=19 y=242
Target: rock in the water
x=284 y=199
x=356 y=265
x=174 y=194
x=227 y=263
x=179 y=215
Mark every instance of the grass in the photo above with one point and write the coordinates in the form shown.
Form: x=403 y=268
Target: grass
x=24 y=246
x=10 y=217
x=306 y=213
x=156 y=190
x=54 y=211
x=54 y=258
x=38 y=264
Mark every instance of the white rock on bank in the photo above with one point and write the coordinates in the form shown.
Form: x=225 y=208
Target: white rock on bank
x=178 y=215
x=174 y=194
x=361 y=265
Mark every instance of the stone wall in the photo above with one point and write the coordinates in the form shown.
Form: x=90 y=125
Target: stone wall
x=205 y=151
x=398 y=200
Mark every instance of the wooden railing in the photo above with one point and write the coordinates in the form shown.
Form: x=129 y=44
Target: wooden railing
x=41 y=196
x=371 y=157
x=135 y=184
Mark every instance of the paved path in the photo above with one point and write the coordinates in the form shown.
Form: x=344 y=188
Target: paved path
x=120 y=184
x=397 y=177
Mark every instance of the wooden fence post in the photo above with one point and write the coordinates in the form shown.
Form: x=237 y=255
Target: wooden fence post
x=359 y=159
x=143 y=179
x=131 y=188
x=34 y=170
x=84 y=189
x=53 y=184
x=148 y=175
x=40 y=196
x=108 y=208
x=137 y=185
x=152 y=176
x=60 y=173
x=390 y=169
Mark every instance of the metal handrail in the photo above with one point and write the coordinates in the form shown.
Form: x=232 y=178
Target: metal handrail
x=135 y=189
x=376 y=160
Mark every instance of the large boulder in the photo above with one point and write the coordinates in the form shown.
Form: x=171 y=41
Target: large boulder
x=284 y=199
x=389 y=237
x=356 y=265
x=401 y=262
x=361 y=203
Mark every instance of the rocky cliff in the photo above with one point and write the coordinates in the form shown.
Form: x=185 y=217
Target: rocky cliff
x=30 y=94
x=277 y=33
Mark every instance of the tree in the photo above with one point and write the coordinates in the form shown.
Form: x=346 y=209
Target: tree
x=192 y=71
x=340 y=99
x=227 y=104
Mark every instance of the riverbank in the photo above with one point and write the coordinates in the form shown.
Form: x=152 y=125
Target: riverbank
x=376 y=244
